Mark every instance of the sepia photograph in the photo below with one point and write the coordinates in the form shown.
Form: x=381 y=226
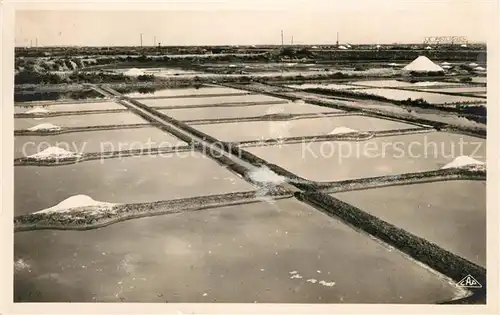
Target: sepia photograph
x=321 y=153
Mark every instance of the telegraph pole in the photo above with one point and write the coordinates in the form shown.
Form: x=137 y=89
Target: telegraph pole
x=282 y=38
x=141 y=40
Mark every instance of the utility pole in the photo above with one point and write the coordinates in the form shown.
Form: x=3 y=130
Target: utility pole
x=337 y=39
x=36 y=42
x=292 y=40
x=141 y=40
x=282 y=38
x=154 y=41
x=31 y=43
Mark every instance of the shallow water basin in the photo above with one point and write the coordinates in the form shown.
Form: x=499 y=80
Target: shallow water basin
x=432 y=98
x=246 y=111
x=285 y=252
x=255 y=130
x=450 y=214
x=143 y=139
x=380 y=156
x=86 y=120
x=123 y=180
x=71 y=107
x=168 y=102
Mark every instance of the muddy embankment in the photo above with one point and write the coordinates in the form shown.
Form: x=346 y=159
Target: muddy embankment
x=470 y=110
x=57 y=161
x=63 y=130
x=87 y=218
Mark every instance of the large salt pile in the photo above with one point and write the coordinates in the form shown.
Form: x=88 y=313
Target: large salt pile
x=134 y=72
x=479 y=69
x=462 y=161
x=78 y=201
x=37 y=110
x=473 y=64
x=342 y=130
x=422 y=64
x=54 y=153
x=46 y=126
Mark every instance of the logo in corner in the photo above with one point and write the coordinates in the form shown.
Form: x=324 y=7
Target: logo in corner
x=469 y=282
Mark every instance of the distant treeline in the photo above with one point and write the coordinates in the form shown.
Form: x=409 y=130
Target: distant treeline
x=53 y=96
x=221 y=54
x=33 y=77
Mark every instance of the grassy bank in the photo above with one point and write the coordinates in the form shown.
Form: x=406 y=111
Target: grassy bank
x=29 y=95
x=353 y=136
x=70 y=113
x=63 y=130
x=474 y=131
x=153 y=152
x=470 y=111
x=270 y=117
x=92 y=218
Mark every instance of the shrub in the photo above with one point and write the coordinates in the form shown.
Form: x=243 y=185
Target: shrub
x=146 y=78
x=33 y=77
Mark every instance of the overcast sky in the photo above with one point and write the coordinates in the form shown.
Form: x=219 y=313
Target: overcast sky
x=317 y=22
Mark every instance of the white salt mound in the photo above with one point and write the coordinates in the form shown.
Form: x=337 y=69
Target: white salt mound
x=479 y=69
x=462 y=161
x=423 y=64
x=77 y=201
x=134 y=72
x=427 y=83
x=327 y=284
x=52 y=153
x=473 y=64
x=20 y=265
x=341 y=130
x=46 y=126
x=37 y=110
x=265 y=175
